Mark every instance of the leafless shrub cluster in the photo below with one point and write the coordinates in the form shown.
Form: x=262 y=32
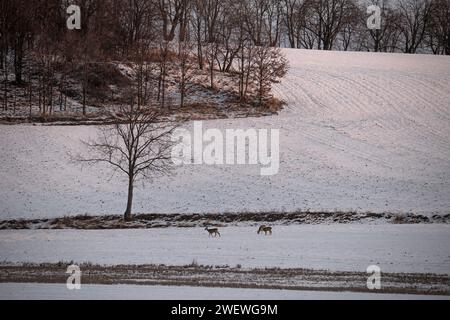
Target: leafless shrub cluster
x=162 y=40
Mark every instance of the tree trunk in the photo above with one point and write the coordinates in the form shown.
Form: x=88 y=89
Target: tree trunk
x=127 y=214
x=1 y=56
x=30 y=89
x=18 y=59
x=40 y=93
x=211 y=67
x=84 y=86
x=5 y=87
x=199 y=44
x=159 y=84
x=163 y=89
x=260 y=91
x=183 y=83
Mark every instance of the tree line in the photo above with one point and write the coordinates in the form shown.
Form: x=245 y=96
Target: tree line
x=184 y=35
x=233 y=36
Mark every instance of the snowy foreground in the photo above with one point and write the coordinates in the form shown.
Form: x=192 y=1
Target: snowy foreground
x=361 y=131
x=394 y=248
x=31 y=291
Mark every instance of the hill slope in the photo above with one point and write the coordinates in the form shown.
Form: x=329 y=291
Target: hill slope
x=361 y=131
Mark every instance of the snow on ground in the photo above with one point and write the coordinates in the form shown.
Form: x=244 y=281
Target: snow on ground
x=34 y=291
x=394 y=248
x=362 y=131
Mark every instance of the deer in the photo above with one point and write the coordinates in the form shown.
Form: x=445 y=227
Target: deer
x=265 y=229
x=213 y=231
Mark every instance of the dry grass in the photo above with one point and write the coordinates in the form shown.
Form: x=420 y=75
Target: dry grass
x=141 y=221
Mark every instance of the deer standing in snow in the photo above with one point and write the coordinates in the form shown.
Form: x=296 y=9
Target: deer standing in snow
x=213 y=231
x=265 y=229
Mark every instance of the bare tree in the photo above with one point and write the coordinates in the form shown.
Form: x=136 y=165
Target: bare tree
x=136 y=20
x=186 y=70
x=326 y=19
x=163 y=61
x=16 y=28
x=6 y=15
x=197 y=26
x=246 y=64
x=384 y=39
x=206 y=17
x=438 y=32
x=244 y=51
x=263 y=20
x=143 y=72
x=138 y=146
x=211 y=51
x=46 y=58
x=295 y=16
x=228 y=37
x=270 y=66
x=171 y=14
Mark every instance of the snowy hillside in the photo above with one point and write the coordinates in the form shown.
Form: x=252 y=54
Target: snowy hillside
x=361 y=131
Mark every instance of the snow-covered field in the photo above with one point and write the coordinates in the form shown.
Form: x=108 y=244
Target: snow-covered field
x=394 y=248
x=361 y=131
x=32 y=291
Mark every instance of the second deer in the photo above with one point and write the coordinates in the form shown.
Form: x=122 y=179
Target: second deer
x=265 y=229
x=213 y=231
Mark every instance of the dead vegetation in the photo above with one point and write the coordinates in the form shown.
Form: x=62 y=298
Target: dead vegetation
x=226 y=276
x=188 y=220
